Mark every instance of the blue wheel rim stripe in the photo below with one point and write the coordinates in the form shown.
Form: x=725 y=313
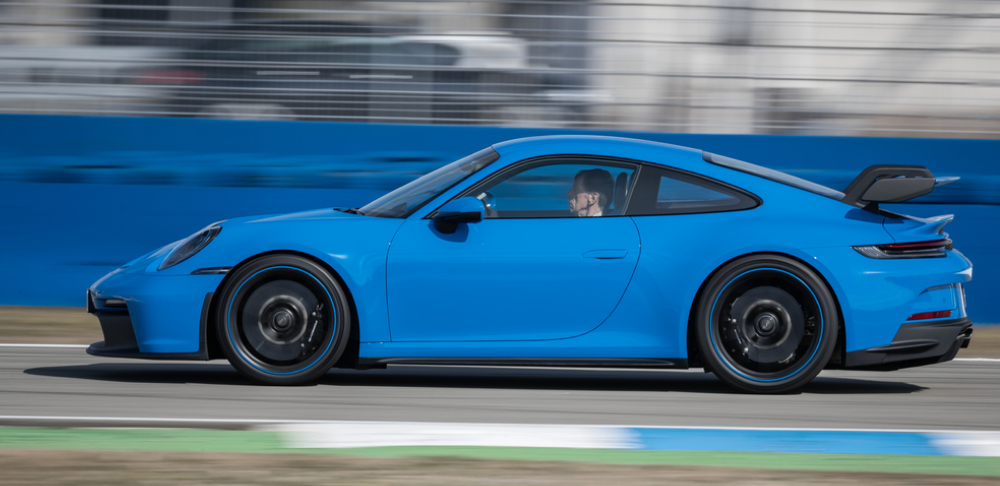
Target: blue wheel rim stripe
x=229 y=328
x=711 y=327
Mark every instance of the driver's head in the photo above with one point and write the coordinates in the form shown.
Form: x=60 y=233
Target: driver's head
x=591 y=192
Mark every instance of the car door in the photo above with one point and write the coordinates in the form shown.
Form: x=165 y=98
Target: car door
x=530 y=270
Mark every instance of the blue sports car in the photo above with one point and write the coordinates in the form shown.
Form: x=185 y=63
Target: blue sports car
x=563 y=251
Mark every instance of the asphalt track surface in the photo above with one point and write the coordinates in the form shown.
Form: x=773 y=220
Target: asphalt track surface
x=66 y=382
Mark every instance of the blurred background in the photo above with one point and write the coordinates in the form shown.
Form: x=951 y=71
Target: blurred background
x=901 y=68
x=127 y=124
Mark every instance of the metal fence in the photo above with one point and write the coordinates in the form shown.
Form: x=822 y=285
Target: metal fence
x=920 y=68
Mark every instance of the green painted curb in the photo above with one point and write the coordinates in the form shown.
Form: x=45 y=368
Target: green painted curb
x=229 y=441
x=159 y=440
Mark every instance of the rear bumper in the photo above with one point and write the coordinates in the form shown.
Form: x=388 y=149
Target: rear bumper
x=877 y=297
x=915 y=344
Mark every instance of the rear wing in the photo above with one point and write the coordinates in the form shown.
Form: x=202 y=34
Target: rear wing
x=891 y=184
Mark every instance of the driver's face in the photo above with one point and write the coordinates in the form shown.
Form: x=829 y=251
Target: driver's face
x=581 y=203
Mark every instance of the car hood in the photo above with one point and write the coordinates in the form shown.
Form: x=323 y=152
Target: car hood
x=316 y=232
x=301 y=216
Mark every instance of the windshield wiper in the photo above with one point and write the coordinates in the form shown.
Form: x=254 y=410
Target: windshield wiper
x=350 y=211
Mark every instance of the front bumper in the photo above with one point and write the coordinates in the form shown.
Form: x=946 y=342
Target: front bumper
x=145 y=315
x=915 y=344
x=120 y=340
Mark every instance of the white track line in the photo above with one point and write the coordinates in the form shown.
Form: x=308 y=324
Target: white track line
x=167 y=420
x=17 y=345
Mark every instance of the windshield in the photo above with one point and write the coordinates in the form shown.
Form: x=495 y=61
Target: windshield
x=404 y=201
x=774 y=175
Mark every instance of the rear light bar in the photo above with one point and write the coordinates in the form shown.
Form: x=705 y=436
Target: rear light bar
x=929 y=315
x=920 y=249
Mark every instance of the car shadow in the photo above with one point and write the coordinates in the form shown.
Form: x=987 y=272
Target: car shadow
x=152 y=373
x=462 y=377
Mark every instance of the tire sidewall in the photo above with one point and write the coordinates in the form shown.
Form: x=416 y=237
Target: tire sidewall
x=828 y=336
x=225 y=322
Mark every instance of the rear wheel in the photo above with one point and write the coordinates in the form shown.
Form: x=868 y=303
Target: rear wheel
x=767 y=324
x=282 y=320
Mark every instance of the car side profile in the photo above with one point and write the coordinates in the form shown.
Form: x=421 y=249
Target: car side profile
x=563 y=251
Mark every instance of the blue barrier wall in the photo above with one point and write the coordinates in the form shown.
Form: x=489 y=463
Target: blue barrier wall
x=79 y=196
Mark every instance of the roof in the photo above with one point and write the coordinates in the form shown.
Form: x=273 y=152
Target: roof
x=576 y=143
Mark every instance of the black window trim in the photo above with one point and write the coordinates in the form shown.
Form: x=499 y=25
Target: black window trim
x=502 y=172
x=757 y=200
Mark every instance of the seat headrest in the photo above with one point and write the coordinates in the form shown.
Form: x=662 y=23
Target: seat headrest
x=621 y=190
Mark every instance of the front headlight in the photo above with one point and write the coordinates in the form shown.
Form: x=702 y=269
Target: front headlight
x=191 y=245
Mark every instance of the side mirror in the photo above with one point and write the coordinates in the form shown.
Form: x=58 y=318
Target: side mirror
x=462 y=210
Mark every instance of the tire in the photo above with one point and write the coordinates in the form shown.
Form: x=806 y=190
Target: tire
x=766 y=324
x=282 y=320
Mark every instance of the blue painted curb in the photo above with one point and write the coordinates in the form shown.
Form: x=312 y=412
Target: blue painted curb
x=800 y=441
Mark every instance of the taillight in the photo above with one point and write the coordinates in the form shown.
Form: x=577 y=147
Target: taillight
x=170 y=76
x=929 y=315
x=920 y=249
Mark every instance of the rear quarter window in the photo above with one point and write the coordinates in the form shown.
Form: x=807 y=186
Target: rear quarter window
x=661 y=191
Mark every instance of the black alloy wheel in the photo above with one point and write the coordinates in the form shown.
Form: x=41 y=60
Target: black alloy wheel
x=766 y=324
x=282 y=320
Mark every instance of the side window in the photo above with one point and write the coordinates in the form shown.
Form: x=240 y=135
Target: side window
x=563 y=187
x=664 y=191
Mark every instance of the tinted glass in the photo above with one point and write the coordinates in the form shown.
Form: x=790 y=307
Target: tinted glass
x=664 y=191
x=404 y=201
x=674 y=191
x=544 y=189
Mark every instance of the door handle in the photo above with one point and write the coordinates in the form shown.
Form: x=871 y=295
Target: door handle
x=605 y=254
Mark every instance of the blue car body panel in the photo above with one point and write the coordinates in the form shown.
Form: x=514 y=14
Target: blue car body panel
x=522 y=288
x=165 y=310
x=508 y=279
x=353 y=246
x=880 y=294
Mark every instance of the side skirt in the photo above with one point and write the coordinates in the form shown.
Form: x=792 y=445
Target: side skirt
x=648 y=363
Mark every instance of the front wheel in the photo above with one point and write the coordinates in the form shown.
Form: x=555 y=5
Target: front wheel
x=766 y=324
x=282 y=320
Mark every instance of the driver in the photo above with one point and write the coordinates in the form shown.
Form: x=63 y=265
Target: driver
x=591 y=192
